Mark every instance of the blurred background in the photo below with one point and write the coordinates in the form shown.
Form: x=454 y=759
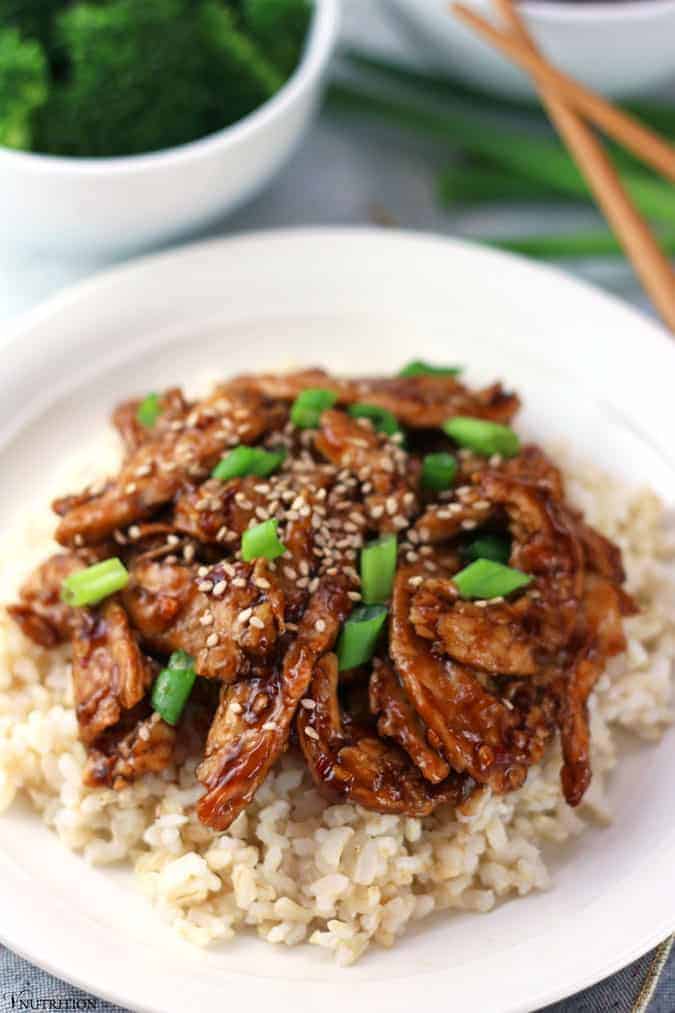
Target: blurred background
x=471 y=155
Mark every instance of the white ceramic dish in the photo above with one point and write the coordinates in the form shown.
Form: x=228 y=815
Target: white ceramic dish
x=110 y=206
x=589 y=368
x=619 y=48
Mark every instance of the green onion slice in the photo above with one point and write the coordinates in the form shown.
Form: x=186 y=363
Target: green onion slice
x=90 y=586
x=378 y=566
x=149 y=410
x=173 y=686
x=483 y=437
x=308 y=406
x=383 y=421
x=262 y=542
x=420 y=368
x=358 y=639
x=494 y=547
x=487 y=579
x=438 y=471
x=243 y=461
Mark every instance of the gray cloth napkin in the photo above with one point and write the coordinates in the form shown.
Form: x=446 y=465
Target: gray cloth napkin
x=647 y=986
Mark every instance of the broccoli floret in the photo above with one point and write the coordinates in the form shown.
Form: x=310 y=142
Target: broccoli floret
x=240 y=76
x=33 y=18
x=23 y=87
x=150 y=75
x=279 y=27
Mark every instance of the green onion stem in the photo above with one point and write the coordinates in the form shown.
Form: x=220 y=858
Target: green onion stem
x=599 y=243
x=445 y=87
x=515 y=151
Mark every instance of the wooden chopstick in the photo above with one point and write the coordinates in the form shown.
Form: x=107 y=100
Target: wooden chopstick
x=632 y=231
x=643 y=142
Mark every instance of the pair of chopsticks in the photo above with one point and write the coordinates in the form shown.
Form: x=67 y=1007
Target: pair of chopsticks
x=570 y=105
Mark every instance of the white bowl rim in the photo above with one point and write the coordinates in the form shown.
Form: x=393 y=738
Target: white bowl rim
x=605 y=11
x=318 y=47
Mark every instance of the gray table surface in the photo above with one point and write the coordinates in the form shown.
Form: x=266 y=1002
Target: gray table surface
x=345 y=173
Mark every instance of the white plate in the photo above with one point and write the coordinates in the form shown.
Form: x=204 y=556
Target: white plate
x=589 y=368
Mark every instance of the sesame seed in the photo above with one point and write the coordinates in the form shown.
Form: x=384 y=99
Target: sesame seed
x=496 y=460
x=308 y=704
x=303 y=582
x=313 y=585
x=202 y=571
x=469 y=525
x=205 y=585
x=352 y=595
x=425 y=534
x=245 y=615
x=130 y=488
x=118 y=536
x=212 y=640
x=413 y=537
x=79 y=540
x=376 y=512
x=262 y=583
x=310 y=733
x=304 y=567
x=219 y=588
x=415 y=581
x=257 y=622
x=206 y=619
x=269 y=726
x=172 y=539
x=236 y=707
x=143 y=470
x=480 y=603
x=188 y=553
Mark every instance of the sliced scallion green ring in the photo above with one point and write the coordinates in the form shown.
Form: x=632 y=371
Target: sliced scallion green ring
x=92 y=585
x=358 y=638
x=486 y=579
x=378 y=567
x=483 y=437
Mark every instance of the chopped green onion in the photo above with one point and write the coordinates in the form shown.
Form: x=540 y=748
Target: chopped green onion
x=149 y=411
x=438 y=471
x=90 y=586
x=358 y=638
x=244 y=461
x=483 y=437
x=308 y=406
x=173 y=687
x=262 y=542
x=420 y=368
x=383 y=421
x=378 y=566
x=487 y=579
x=494 y=547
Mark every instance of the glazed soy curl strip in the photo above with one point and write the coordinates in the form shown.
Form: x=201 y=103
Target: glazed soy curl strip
x=373 y=572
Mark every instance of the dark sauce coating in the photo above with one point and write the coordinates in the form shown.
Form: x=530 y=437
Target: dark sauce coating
x=460 y=694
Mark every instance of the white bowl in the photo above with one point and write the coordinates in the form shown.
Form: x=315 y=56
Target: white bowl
x=108 y=207
x=620 y=49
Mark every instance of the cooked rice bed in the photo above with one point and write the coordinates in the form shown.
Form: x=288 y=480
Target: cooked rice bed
x=292 y=866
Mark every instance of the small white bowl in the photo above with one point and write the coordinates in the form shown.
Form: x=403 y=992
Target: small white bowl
x=619 y=48
x=106 y=207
